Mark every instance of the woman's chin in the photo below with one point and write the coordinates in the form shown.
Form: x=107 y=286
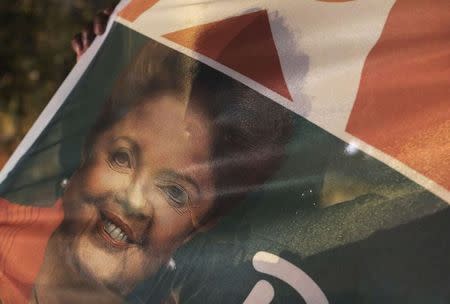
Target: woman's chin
x=106 y=265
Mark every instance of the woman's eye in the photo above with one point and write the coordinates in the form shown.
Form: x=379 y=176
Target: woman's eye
x=121 y=159
x=177 y=195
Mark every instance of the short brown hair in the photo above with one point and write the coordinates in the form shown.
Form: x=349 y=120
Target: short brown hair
x=250 y=133
x=156 y=70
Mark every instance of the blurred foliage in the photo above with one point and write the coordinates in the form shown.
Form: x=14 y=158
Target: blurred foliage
x=35 y=57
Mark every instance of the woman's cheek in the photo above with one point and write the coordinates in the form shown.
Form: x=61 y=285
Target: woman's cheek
x=170 y=228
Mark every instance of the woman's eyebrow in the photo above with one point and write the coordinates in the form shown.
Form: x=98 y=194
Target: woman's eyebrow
x=187 y=178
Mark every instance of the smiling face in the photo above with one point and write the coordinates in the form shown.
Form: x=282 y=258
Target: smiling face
x=140 y=193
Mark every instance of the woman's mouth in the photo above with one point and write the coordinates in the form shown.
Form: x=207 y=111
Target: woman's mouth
x=114 y=231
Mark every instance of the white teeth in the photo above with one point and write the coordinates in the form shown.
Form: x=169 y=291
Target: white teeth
x=115 y=232
x=110 y=227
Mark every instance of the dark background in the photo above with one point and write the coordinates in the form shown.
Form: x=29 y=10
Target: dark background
x=35 y=57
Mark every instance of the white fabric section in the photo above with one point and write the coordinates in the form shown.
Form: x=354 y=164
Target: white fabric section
x=58 y=99
x=337 y=38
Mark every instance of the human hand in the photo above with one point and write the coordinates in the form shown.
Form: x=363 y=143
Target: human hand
x=81 y=41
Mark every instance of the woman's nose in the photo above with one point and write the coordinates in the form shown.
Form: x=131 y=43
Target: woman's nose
x=135 y=200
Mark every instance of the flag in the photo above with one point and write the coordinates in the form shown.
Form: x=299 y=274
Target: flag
x=306 y=160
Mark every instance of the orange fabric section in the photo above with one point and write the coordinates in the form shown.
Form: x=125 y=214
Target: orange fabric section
x=243 y=43
x=135 y=8
x=24 y=234
x=403 y=103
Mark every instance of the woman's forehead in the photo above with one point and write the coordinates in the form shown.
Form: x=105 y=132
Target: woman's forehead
x=159 y=110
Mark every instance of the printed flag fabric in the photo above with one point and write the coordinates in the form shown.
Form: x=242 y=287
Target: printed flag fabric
x=240 y=152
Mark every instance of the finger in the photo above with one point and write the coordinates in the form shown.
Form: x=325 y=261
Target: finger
x=100 y=22
x=87 y=36
x=77 y=45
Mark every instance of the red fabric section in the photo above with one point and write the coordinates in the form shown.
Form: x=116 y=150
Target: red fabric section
x=135 y=8
x=243 y=43
x=403 y=103
x=24 y=234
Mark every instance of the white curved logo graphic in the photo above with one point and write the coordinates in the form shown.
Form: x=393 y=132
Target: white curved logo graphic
x=268 y=263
